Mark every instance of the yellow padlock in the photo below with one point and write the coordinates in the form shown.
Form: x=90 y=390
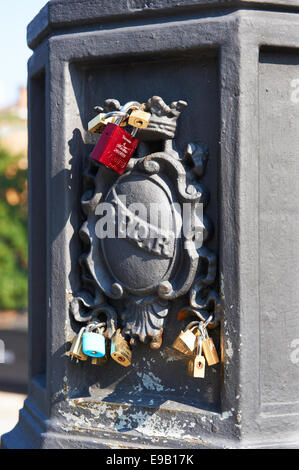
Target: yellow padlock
x=98 y=123
x=120 y=350
x=208 y=346
x=186 y=341
x=196 y=365
x=139 y=118
x=76 y=348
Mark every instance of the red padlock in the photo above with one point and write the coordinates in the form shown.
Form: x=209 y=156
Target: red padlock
x=116 y=146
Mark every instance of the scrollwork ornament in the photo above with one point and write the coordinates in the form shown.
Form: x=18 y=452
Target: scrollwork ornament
x=131 y=279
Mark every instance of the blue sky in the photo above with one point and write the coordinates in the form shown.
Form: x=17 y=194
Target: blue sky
x=14 y=53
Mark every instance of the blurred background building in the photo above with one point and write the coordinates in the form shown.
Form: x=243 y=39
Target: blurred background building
x=13 y=122
x=13 y=207
x=13 y=258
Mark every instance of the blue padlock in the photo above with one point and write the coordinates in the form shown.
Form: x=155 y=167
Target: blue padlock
x=93 y=341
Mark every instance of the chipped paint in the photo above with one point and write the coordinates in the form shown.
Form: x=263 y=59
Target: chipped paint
x=225 y=415
x=145 y=422
x=150 y=381
x=79 y=422
x=229 y=350
x=156 y=426
x=138 y=388
x=222 y=285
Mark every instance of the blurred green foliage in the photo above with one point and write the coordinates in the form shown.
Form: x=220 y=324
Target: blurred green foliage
x=13 y=231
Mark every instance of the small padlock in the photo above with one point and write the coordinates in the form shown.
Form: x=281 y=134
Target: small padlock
x=196 y=365
x=120 y=350
x=76 y=348
x=208 y=346
x=116 y=146
x=186 y=341
x=139 y=118
x=98 y=123
x=94 y=344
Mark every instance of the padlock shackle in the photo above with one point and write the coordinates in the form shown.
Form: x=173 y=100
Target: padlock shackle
x=122 y=113
x=115 y=113
x=192 y=325
x=203 y=330
x=80 y=334
x=130 y=105
x=208 y=320
x=199 y=345
x=96 y=326
x=203 y=327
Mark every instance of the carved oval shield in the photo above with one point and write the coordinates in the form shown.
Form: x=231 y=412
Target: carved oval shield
x=141 y=269
x=143 y=252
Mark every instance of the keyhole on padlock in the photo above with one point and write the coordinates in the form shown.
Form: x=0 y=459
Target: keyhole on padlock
x=121 y=359
x=200 y=365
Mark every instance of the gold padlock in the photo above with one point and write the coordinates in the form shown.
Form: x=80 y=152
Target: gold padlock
x=98 y=124
x=210 y=352
x=139 y=118
x=196 y=365
x=186 y=341
x=208 y=345
x=120 y=350
x=76 y=348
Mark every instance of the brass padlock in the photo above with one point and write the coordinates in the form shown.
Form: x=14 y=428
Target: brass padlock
x=186 y=341
x=197 y=365
x=139 y=118
x=98 y=123
x=120 y=350
x=76 y=348
x=208 y=346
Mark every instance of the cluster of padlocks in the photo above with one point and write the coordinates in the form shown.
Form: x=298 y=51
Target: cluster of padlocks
x=195 y=344
x=116 y=146
x=92 y=342
x=114 y=149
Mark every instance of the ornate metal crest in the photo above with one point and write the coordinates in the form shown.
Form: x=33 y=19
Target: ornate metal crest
x=131 y=277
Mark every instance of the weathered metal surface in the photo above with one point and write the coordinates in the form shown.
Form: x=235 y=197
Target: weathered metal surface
x=55 y=15
x=230 y=68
